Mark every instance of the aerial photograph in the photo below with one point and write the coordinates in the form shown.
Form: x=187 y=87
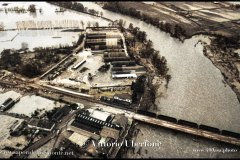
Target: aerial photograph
x=119 y=79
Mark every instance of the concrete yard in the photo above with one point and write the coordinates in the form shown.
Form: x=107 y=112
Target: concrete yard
x=93 y=62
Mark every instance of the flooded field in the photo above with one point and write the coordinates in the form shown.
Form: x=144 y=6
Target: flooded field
x=28 y=104
x=48 y=13
x=37 y=38
x=40 y=38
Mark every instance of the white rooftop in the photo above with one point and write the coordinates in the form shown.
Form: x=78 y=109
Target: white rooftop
x=99 y=115
x=78 y=139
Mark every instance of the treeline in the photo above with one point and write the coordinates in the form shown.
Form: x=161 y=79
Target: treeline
x=159 y=62
x=226 y=42
x=143 y=88
x=77 y=7
x=235 y=6
x=175 y=30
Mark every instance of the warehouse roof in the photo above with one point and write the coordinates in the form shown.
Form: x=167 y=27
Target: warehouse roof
x=100 y=115
x=78 y=139
x=42 y=124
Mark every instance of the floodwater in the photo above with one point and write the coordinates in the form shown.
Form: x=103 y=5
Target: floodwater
x=196 y=92
x=37 y=38
x=28 y=104
x=40 y=38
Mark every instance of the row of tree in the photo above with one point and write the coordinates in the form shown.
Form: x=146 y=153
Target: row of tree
x=77 y=7
x=148 y=51
x=226 y=42
x=174 y=30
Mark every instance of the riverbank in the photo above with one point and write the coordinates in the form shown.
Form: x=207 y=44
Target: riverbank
x=196 y=85
x=141 y=49
x=189 y=30
x=182 y=20
x=228 y=62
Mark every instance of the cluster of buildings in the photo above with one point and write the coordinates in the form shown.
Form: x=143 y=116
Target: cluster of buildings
x=48 y=125
x=91 y=129
x=109 y=42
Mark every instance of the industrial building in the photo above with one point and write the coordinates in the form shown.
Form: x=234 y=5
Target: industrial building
x=103 y=116
x=79 y=64
x=110 y=42
x=40 y=124
x=94 y=122
x=61 y=112
x=8 y=103
x=101 y=38
x=119 y=76
x=78 y=139
x=93 y=126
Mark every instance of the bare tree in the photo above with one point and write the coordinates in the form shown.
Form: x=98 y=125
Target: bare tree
x=32 y=8
x=24 y=45
x=96 y=24
x=89 y=24
x=1 y=26
x=82 y=23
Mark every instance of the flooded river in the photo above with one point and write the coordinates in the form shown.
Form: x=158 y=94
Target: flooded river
x=196 y=92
